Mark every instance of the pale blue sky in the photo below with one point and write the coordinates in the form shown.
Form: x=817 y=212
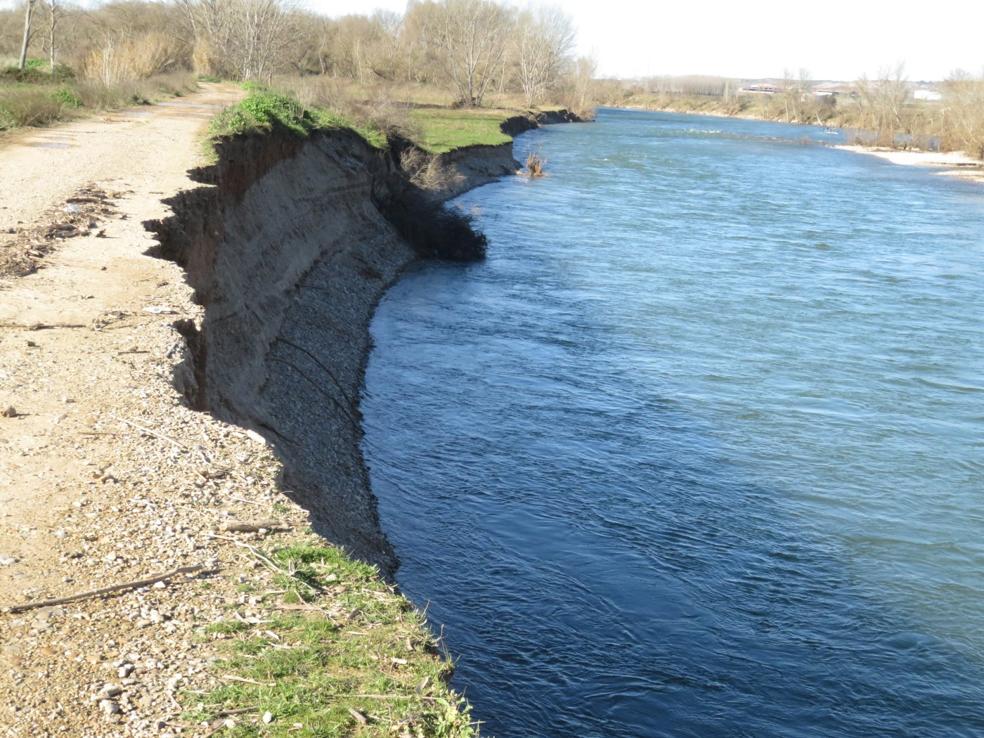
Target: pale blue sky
x=836 y=39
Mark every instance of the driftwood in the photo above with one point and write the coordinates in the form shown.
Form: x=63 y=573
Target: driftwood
x=102 y=592
x=239 y=526
x=156 y=434
x=41 y=326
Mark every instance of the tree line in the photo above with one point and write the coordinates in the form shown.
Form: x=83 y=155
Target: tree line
x=470 y=47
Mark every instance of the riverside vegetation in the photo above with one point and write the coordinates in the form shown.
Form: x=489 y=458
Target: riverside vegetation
x=880 y=112
x=377 y=72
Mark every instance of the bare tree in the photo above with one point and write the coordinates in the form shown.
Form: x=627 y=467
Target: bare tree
x=881 y=104
x=28 y=12
x=54 y=15
x=963 y=114
x=545 y=38
x=247 y=39
x=583 y=79
x=472 y=35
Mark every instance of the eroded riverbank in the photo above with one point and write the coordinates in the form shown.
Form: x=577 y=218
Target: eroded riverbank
x=118 y=479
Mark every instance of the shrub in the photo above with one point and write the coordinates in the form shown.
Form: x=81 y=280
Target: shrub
x=67 y=97
x=535 y=164
x=265 y=110
x=37 y=75
x=262 y=110
x=28 y=106
x=137 y=58
x=375 y=119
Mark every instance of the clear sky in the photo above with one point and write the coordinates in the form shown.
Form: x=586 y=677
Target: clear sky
x=831 y=39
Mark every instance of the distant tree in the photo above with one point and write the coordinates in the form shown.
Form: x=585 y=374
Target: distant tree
x=795 y=97
x=582 y=95
x=963 y=114
x=545 y=38
x=246 y=39
x=881 y=104
x=472 y=36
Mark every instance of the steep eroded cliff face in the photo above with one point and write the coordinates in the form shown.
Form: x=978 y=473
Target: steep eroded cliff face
x=289 y=247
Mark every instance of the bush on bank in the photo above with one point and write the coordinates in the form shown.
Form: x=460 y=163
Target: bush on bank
x=264 y=110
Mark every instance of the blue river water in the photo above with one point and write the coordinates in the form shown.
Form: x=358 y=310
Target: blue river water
x=699 y=449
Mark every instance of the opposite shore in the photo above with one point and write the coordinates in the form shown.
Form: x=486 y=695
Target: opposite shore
x=950 y=163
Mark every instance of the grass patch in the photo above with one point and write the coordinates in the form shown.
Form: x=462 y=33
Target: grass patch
x=264 y=110
x=356 y=659
x=443 y=129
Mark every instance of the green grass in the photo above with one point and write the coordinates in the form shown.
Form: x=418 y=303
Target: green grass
x=355 y=659
x=444 y=129
x=263 y=110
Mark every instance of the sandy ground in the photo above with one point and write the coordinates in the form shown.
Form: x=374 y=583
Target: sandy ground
x=952 y=163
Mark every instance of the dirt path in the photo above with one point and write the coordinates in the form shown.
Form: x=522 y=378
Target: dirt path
x=105 y=476
x=147 y=147
x=50 y=376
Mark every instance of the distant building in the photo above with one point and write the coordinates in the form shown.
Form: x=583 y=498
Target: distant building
x=833 y=90
x=927 y=95
x=759 y=88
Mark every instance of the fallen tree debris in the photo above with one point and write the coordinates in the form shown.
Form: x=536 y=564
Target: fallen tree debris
x=103 y=591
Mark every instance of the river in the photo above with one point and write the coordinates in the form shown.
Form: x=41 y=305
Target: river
x=699 y=449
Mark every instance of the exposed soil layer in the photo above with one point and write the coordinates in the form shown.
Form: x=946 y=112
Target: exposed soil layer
x=289 y=250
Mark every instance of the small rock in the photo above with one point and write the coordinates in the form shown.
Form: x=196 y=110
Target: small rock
x=109 y=707
x=109 y=690
x=268 y=717
x=7 y=560
x=125 y=670
x=9 y=412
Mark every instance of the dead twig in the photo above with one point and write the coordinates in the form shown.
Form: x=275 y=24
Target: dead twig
x=41 y=326
x=151 y=432
x=161 y=436
x=103 y=591
x=239 y=526
x=267 y=561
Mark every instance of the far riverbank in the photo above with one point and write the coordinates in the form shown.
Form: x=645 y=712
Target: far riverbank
x=950 y=163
